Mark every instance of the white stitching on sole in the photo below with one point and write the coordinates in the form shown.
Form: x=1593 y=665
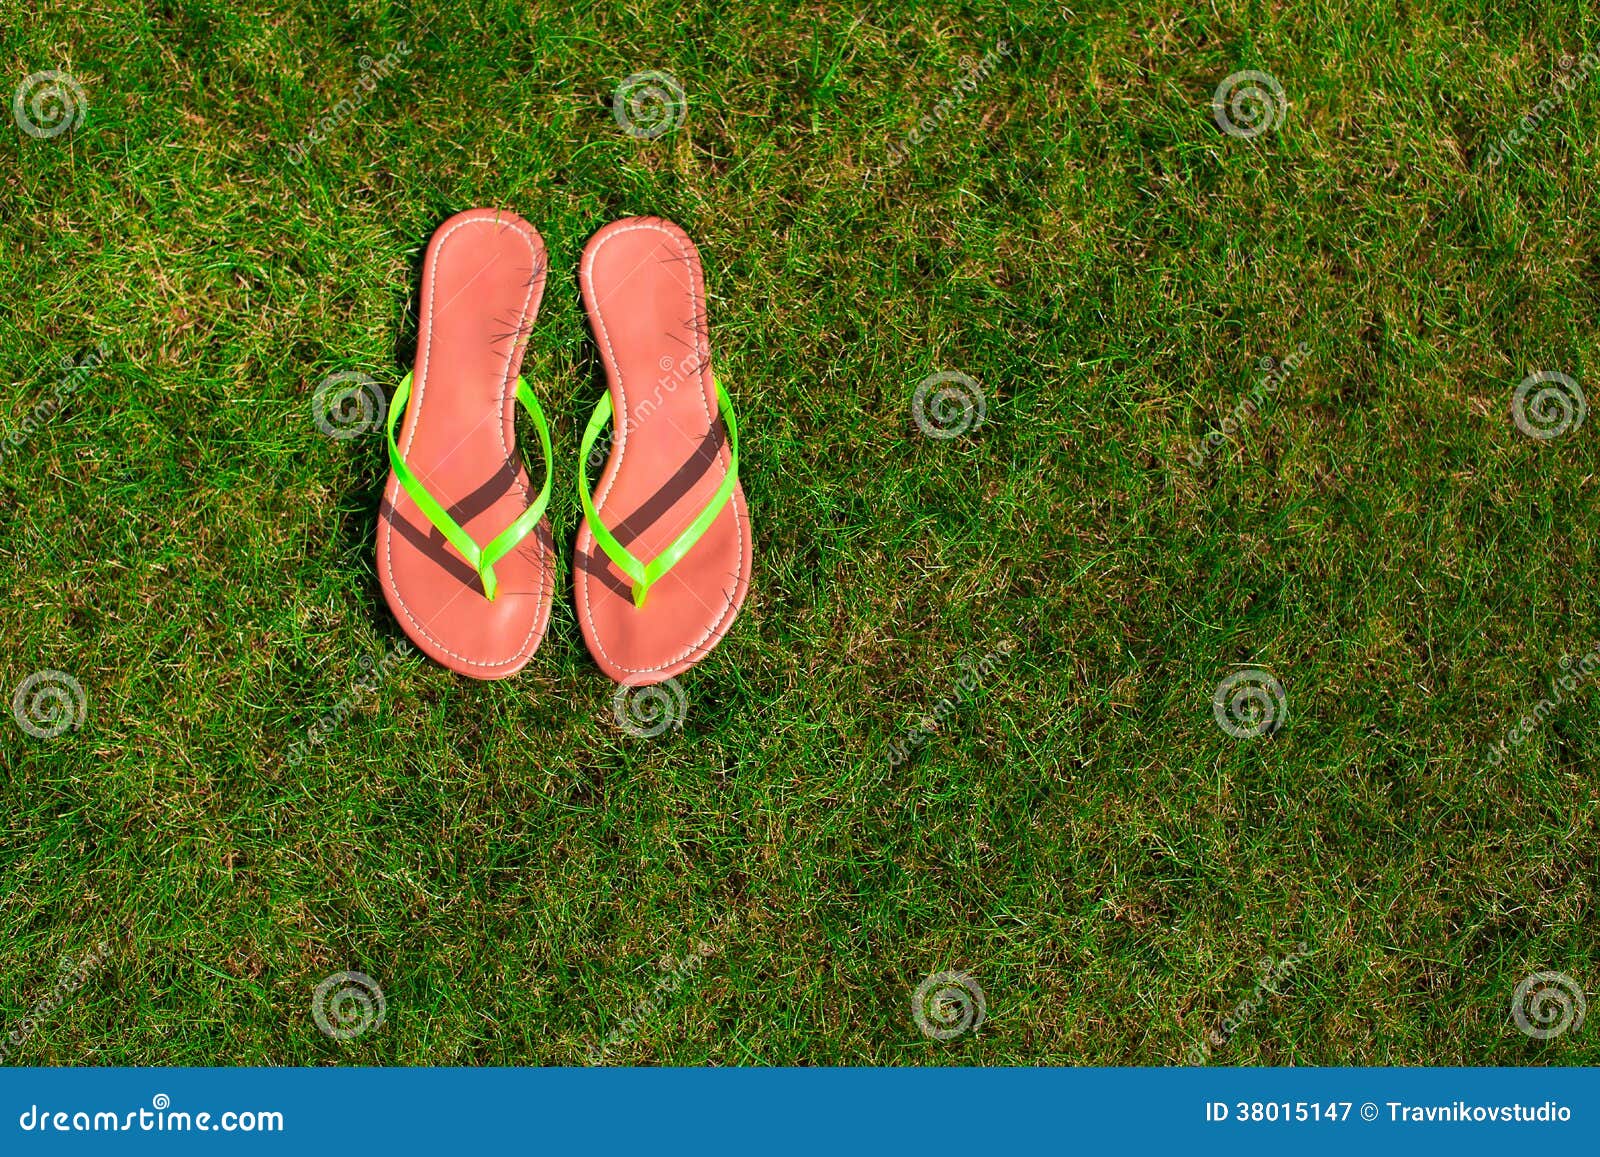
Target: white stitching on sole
x=620 y=425
x=414 y=420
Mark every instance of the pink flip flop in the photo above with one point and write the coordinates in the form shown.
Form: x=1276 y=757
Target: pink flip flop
x=465 y=557
x=662 y=563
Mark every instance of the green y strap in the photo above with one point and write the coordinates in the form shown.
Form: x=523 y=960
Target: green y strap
x=505 y=542
x=645 y=575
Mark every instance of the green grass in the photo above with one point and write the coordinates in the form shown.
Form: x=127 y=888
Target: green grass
x=1119 y=874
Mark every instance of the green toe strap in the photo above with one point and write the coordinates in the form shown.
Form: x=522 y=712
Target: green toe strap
x=644 y=575
x=484 y=558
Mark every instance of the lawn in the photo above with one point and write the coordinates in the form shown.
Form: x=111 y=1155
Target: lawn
x=1216 y=685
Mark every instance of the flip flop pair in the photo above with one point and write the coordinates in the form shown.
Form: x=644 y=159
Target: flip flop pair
x=466 y=557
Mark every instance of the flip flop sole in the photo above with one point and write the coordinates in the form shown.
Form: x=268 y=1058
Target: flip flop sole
x=644 y=290
x=481 y=283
